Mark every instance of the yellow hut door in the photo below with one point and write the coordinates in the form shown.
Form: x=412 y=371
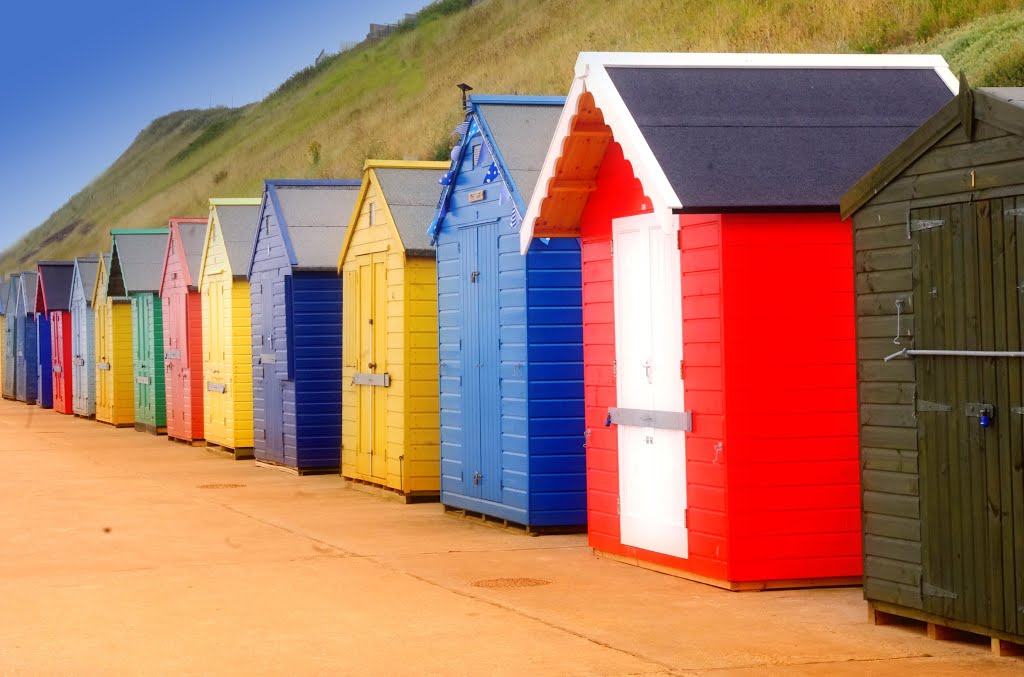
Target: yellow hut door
x=104 y=380
x=215 y=416
x=371 y=459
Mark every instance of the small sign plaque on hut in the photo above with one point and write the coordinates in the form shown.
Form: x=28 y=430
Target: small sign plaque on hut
x=477 y=196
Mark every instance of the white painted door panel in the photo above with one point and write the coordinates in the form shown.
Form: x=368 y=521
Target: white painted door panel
x=648 y=339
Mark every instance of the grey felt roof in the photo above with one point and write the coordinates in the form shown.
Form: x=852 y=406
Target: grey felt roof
x=141 y=256
x=5 y=287
x=411 y=195
x=11 y=297
x=1013 y=95
x=522 y=133
x=87 y=266
x=317 y=217
x=193 y=238
x=27 y=290
x=238 y=225
x=57 y=279
x=774 y=138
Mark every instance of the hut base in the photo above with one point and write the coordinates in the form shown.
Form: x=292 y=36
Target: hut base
x=116 y=425
x=736 y=586
x=87 y=417
x=939 y=628
x=239 y=454
x=151 y=429
x=498 y=522
x=295 y=471
x=393 y=494
x=191 y=443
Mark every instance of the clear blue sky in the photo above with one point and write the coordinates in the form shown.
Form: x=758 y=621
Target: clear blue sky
x=80 y=79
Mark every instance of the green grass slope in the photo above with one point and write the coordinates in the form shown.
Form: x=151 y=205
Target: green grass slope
x=397 y=98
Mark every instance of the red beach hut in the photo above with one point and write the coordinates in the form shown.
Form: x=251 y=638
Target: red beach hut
x=53 y=302
x=183 y=329
x=718 y=313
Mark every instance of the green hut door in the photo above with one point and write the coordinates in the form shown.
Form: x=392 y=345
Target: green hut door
x=968 y=273
x=147 y=330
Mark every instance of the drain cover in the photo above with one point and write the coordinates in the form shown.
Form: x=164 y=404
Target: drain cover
x=510 y=583
x=219 y=486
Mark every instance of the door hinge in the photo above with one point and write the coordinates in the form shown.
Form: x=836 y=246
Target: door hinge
x=618 y=505
x=686 y=518
x=611 y=248
x=615 y=368
x=473 y=276
x=681 y=369
x=679 y=240
x=933 y=591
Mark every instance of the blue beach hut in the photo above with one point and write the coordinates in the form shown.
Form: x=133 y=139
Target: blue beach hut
x=11 y=336
x=510 y=327
x=296 y=303
x=26 y=356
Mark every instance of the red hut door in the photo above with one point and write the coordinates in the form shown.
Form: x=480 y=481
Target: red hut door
x=650 y=415
x=57 y=339
x=175 y=359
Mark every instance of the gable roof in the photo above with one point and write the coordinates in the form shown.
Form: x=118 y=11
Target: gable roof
x=190 y=234
x=734 y=132
x=517 y=130
x=85 y=269
x=313 y=216
x=102 y=277
x=27 y=291
x=11 y=294
x=238 y=219
x=136 y=260
x=54 y=285
x=1002 y=107
x=5 y=286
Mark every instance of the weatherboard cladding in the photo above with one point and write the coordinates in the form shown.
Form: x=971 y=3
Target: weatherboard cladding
x=83 y=337
x=943 y=497
x=26 y=372
x=10 y=346
x=238 y=226
x=296 y=322
x=411 y=196
x=730 y=139
x=315 y=216
x=517 y=418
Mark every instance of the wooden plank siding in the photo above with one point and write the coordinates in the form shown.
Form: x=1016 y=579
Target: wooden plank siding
x=226 y=347
x=83 y=350
x=943 y=499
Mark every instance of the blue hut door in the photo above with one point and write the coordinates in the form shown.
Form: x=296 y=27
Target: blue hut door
x=482 y=472
x=44 y=361
x=273 y=402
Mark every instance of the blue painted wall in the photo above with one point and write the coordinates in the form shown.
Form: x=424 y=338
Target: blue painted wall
x=296 y=317
x=11 y=342
x=44 y=362
x=511 y=352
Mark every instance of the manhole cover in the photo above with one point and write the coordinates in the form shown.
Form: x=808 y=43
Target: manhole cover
x=220 y=486
x=510 y=583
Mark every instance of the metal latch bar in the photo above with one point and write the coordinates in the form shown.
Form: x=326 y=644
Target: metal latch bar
x=369 y=379
x=908 y=352
x=651 y=418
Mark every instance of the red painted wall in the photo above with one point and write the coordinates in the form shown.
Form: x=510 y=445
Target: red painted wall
x=791 y=396
x=60 y=344
x=183 y=333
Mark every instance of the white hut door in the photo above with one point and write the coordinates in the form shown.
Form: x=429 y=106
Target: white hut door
x=649 y=352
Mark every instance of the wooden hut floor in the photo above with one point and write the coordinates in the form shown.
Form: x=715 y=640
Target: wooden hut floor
x=104 y=531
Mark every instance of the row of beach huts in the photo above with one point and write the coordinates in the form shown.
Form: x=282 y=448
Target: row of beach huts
x=755 y=320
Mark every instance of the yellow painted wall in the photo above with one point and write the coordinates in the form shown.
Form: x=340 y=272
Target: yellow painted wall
x=407 y=412
x=227 y=347
x=115 y=387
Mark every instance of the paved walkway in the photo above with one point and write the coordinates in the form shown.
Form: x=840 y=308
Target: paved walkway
x=121 y=552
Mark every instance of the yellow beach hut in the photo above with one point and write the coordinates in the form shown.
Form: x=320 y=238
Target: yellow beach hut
x=115 y=390
x=390 y=413
x=227 y=328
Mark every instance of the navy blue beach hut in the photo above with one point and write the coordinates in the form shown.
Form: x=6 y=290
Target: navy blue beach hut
x=296 y=303
x=5 y=286
x=10 y=336
x=26 y=356
x=510 y=328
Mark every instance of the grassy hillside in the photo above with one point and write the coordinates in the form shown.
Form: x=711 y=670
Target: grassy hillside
x=397 y=98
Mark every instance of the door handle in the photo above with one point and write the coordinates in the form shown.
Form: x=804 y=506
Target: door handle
x=372 y=366
x=647 y=370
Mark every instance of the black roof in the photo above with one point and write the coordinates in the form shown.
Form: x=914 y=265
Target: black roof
x=57 y=279
x=732 y=139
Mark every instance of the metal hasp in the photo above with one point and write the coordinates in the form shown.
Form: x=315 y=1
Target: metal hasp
x=172 y=355
x=103 y=366
x=216 y=387
x=907 y=352
x=142 y=380
x=268 y=358
x=652 y=418
x=364 y=379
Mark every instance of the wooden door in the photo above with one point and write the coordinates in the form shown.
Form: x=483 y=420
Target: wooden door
x=273 y=374
x=216 y=429
x=57 y=339
x=968 y=284
x=10 y=353
x=104 y=353
x=79 y=352
x=371 y=457
x=175 y=354
x=143 y=335
x=648 y=350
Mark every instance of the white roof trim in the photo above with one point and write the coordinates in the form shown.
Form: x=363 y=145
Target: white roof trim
x=591 y=76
